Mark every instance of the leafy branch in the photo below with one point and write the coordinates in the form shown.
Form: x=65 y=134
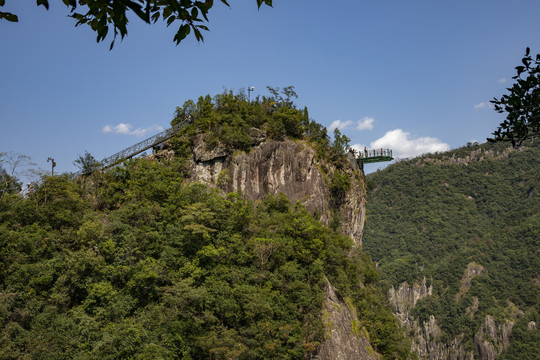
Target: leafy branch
x=522 y=104
x=104 y=15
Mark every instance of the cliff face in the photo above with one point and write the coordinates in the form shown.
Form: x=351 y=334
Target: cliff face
x=493 y=338
x=427 y=343
x=291 y=168
x=345 y=339
x=490 y=340
x=404 y=299
x=288 y=167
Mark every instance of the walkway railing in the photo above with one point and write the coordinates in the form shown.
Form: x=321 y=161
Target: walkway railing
x=143 y=145
x=375 y=155
x=139 y=147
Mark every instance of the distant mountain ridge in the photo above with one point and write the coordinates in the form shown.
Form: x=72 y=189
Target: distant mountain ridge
x=465 y=225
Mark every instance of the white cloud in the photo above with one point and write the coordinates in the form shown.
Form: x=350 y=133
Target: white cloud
x=366 y=123
x=338 y=124
x=503 y=80
x=482 y=105
x=403 y=146
x=127 y=129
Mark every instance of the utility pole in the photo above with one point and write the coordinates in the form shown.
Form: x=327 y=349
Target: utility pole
x=52 y=165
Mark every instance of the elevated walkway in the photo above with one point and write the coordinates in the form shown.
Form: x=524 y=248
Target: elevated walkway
x=143 y=145
x=373 y=156
x=139 y=147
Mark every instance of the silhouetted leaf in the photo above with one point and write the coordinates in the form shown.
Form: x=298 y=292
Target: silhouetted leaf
x=72 y=3
x=183 y=31
x=44 y=3
x=198 y=34
x=194 y=13
x=170 y=20
x=9 y=16
x=167 y=11
x=104 y=13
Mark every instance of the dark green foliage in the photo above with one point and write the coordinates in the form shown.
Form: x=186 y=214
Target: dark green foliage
x=87 y=164
x=11 y=166
x=106 y=15
x=135 y=263
x=339 y=185
x=232 y=120
x=522 y=104
x=433 y=215
x=340 y=145
x=8 y=183
x=525 y=339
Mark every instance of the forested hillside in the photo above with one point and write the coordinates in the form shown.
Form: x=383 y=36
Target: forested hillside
x=137 y=262
x=468 y=221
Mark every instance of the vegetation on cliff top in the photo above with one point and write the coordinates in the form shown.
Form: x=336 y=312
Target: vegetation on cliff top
x=229 y=117
x=433 y=215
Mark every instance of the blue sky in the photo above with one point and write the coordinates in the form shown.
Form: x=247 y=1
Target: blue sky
x=413 y=75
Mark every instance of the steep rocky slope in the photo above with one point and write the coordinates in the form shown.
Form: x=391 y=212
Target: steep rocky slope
x=288 y=167
x=456 y=238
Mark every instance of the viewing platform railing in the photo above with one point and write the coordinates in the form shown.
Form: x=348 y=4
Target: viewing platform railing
x=375 y=155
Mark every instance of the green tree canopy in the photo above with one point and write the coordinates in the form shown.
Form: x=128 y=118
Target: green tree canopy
x=522 y=104
x=87 y=164
x=12 y=165
x=104 y=15
x=8 y=183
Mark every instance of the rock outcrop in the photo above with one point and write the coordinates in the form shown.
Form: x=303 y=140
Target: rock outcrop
x=490 y=340
x=473 y=270
x=288 y=167
x=426 y=340
x=427 y=343
x=345 y=338
x=479 y=154
x=404 y=299
x=291 y=167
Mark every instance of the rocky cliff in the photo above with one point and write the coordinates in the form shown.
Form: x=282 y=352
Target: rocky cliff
x=493 y=338
x=345 y=339
x=490 y=340
x=292 y=168
x=288 y=167
x=427 y=342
